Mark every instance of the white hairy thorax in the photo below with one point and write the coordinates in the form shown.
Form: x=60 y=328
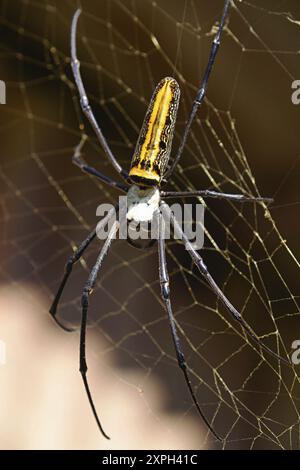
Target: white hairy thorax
x=142 y=203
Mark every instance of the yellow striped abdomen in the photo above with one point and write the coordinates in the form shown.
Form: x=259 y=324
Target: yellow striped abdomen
x=155 y=140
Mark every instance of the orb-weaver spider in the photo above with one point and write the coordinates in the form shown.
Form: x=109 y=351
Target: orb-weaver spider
x=142 y=185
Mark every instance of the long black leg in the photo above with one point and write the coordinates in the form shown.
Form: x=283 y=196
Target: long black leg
x=206 y=193
x=165 y=293
x=204 y=271
x=69 y=266
x=84 y=102
x=85 y=305
x=201 y=92
x=78 y=160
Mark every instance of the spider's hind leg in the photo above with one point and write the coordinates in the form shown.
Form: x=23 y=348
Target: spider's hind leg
x=79 y=161
x=88 y=288
x=69 y=266
x=197 y=259
x=68 y=269
x=165 y=294
x=202 y=89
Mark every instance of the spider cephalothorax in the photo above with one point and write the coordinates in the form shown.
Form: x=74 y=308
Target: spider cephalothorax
x=154 y=144
x=142 y=203
x=145 y=199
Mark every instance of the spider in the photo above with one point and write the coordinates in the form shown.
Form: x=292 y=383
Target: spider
x=148 y=172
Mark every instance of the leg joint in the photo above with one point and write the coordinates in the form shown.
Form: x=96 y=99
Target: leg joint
x=85 y=103
x=69 y=264
x=199 y=96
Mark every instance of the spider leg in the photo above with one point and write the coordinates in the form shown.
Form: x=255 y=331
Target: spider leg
x=202 y=90
x=85 y=305
x=78 y=160
x=69 y=266
x=165 y=293
x=206 y=193
x=84 y=102
x=204 y=271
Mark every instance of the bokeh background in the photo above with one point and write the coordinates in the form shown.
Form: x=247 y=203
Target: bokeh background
x=245 y=139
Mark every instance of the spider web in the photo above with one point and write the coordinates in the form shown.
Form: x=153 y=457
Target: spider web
x=244 y=140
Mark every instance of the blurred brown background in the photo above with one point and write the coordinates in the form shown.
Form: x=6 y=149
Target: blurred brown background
x=48 y=206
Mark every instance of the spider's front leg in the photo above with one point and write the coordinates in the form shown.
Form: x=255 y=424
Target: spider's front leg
x=68 y=269
x=202 y=89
